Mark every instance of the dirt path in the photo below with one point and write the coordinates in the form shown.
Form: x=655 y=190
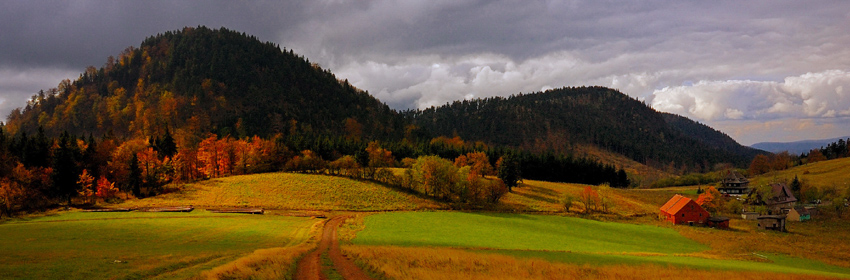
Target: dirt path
x=310 y=268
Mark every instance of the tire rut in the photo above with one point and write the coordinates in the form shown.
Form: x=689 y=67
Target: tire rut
x=310 y=268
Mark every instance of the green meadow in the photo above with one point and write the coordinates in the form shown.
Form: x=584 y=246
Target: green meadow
x=132 y=245
x=566 y=239
x=519 y=232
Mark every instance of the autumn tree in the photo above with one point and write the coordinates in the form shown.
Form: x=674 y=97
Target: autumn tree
x=759 y=165
x=105 y=189
x=589 y=198
x=87 y=189
x=711 y=200
x=815 y=156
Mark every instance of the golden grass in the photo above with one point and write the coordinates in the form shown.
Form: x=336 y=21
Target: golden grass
x=270 y=263
x=546 y=197
x=446 y=263
x=821 y=240
x=822 y=174
x=287 y=191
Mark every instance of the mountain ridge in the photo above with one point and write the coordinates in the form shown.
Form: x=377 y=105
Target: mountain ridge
x=796 y=147
x=198 y=81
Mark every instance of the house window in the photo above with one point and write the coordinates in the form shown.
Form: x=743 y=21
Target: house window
x=700 y=214
x=683 y=215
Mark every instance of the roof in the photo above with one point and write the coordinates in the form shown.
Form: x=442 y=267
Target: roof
x=675 y=204
x=718 y=219
x=778 y=217
x=781 y=194
x=735 y=177
x=801 y=210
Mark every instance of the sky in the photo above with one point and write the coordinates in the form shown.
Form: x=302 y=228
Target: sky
x=760 y=71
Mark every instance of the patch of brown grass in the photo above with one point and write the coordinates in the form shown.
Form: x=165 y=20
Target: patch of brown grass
x=822 y=240
x=445 y=263
x=272 y=263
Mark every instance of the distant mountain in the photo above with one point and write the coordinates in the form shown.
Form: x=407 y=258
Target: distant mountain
x=797 y=147
x=562 y=118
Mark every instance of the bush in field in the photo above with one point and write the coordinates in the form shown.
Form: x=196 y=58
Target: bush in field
x=308 y=162
x=440 y=178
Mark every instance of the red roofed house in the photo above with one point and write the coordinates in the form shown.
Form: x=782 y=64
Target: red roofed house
x=683 y=210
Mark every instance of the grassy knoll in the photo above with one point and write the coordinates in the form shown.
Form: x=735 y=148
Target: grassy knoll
x=520 y=232
x=288 y=191
x=448 y=263
x=132 y=245
x=546 y=196
x=823 y=173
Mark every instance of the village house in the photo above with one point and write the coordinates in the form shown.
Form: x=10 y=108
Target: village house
x=781 y=200
x=798 y=214
x=734 y=184
x=683 y=210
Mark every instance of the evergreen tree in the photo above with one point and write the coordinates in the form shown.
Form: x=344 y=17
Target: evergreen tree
x=135 y=181
x=796 y=186
x=166 y=146
x=509 y=171
x=65 y=168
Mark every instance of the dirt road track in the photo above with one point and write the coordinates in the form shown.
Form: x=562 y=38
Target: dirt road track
x=310 y=267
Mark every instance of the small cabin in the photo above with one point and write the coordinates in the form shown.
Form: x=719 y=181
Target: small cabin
x=772 y=222
x=734 y=184
x=683 y=210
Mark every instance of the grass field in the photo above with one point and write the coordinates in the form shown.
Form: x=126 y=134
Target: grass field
x=519 y=232
x=546 y=197
x=573 y=241
x=448 y=263
x=288 y=191
x=824 y=173
x=132 y=245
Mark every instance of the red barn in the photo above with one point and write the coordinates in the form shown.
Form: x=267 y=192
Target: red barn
x=683 y=210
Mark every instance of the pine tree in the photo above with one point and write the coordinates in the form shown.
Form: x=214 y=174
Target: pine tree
x=135 y=180
x=509 y=171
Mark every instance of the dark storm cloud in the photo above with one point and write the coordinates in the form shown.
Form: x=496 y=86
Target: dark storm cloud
x=702 y=59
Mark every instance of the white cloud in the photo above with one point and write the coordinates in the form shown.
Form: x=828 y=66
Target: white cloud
x=811 y=95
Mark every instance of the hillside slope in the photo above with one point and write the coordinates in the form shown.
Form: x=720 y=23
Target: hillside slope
x=200 y=80
x=562 y=118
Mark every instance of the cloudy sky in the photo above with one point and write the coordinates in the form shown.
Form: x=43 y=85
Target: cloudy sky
x=757 y=70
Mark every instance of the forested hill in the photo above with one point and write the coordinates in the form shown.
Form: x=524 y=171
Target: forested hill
x=709 y=136
x=557 y=119
x=200 y=80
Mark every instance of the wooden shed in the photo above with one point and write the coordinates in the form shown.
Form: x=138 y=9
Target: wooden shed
x=772 y=222
x=718 y=222
x=683 y=210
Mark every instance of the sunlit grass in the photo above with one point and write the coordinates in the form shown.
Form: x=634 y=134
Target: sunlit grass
x=131 y=245
x=519 y=232
x=288 y=191
x=449 y=263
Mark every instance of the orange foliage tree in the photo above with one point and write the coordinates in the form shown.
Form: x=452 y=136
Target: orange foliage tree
x=105 y=189
x=711 y=200
x=590 y=199
x=86 y=186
